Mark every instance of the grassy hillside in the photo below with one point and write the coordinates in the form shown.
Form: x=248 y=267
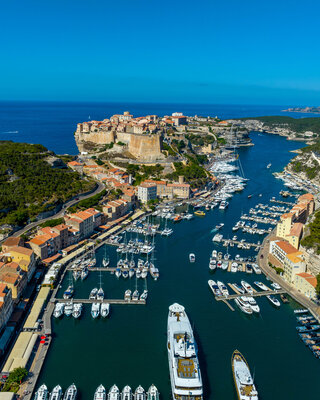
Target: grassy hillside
x=29 y=185
x=299 y=125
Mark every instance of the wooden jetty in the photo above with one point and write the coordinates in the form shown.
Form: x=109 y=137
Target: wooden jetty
x=254 y=294
x=257 y=246
x=90 y=301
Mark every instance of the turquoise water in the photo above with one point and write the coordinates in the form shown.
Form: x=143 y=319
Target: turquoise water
x=130 y=346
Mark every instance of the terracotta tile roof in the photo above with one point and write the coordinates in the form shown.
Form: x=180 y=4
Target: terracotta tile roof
x=60 y=227
x=74 y=164
x=39 y=240
x=3 y=289
x=296 y=229
x=186 y=185
x=294 y=258
x=9 y=277
x=156 y=182
x=22 y=250
x=287 y=215
x=286 y=247
x=12 y=241
x=306 y=196
x=309 y=278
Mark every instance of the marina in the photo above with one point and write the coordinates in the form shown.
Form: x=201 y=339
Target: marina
x=183 y=282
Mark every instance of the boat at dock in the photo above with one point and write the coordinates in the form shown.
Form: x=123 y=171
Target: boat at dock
x=139 y=393
x=100 y=294
x=243 y=380
x=153 y=393
x=127 y=295
x=135 y=295
x=71 y=393
x=214 y=287
x=223 y=288
x=100 y=393
x=104 y=310
x=114 y=393
x=58 y=310
x=253 y=304
x=273 y=300
x=308 y=328
x=184 y=366
x=93 y=294
x=243 y=305
x=239 y=288
x=261 y=286
x=126 y=393
x=56 y=393
x=95 y=310
x=301 y=311
x=77 y=310
x=84 y=273
x=68 y=309
x=42 y=393
x=68 y=293
x=144 y=295
x=247 y=287
x=256 y=268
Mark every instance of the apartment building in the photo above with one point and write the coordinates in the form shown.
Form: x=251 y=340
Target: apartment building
x=6 y=304
x=147 y=191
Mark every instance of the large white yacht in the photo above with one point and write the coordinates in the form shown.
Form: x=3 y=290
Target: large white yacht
x=100 y=393
x=114 y=393
x=42 y=393
x=153 y=393
x=56 y=393
x=245 y=387
x=186 y=382
x=126 y=393
x=71 y=393
x=139 y=393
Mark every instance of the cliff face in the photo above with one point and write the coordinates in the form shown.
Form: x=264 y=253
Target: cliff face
x=144 y=147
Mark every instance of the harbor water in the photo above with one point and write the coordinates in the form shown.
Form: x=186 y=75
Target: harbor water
x=129 y=347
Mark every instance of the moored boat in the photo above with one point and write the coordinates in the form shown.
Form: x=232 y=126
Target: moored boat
x=95 y=310
x=153 y=393
x=139 y=393
x=244 y=306
x=185 y=376
x=42 y=393
x=273 y=300
x=71 y=393
x=100 y=393
x=104 y=310
x=214 y=287
x=126 y=393
x=247 y=287
x=114 y=393
x=243 y=381
x=56 y=393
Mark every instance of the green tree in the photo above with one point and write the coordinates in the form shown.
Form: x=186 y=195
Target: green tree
x=14 y=380
x=318 y=285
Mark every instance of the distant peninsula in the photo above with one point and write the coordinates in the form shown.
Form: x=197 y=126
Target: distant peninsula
x=307 y=110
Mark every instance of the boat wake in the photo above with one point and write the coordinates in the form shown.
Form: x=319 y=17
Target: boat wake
x=9 y=132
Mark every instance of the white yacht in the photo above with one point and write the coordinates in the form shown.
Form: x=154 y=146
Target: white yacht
x=167 y=232
x=77 y=310
x=153 y=393
x=100 y=294
x=114 y=393
x=243 y=381
x=84 y=273
x=105 y=310
x=127 y=295
x=253 y=304
x=223 y=288
x=139 y=394
x=247 y=287
x=186 y=382
x=100 y=393
x=93 y=294
x=273 y=300
x=71 y=393
x=118 y=272
x=214 y=287
x=244 y=306
x=56 y=393
x=68 y=308
x=276 y=286
x=256 y=268
x=105 y=261
x=68 y=292
x=154 y=272
x=223 y=205
x=135 y=295
x=126 y=393
x=95 y=310
x=144 y=295
x=58 y=310
x=192 y=257
x=261 y=285
x=42 y=393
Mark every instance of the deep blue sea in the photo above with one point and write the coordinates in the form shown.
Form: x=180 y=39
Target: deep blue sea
x=53 y=123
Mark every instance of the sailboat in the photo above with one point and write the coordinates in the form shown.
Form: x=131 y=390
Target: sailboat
x=100 y=294
x=106 y=260
x=69 y=291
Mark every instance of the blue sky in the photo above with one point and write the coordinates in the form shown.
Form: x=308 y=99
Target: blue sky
x=206 y=51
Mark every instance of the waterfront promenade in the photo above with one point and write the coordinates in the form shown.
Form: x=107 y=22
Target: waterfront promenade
x=262 y=260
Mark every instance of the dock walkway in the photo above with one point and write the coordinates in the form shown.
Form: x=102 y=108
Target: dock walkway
x=110 y=301
x=254 y=294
